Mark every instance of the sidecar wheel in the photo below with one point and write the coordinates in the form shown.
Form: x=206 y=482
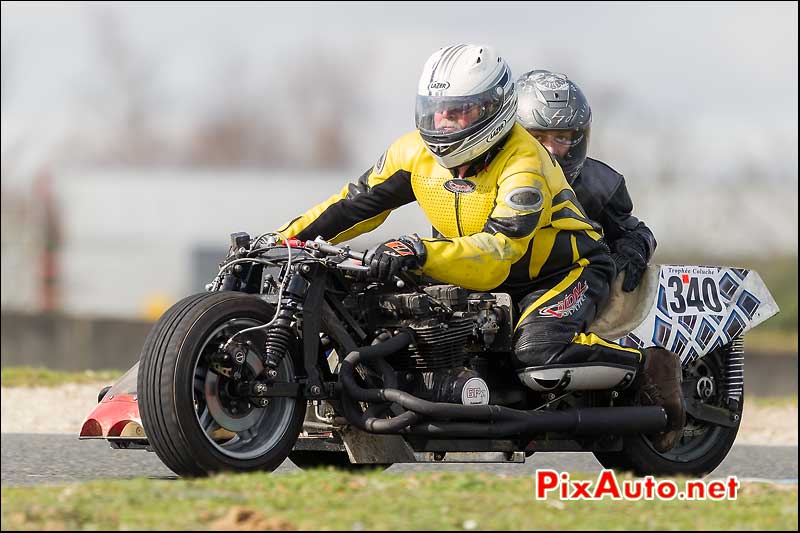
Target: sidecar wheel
x=703 y=445
x=193 y=421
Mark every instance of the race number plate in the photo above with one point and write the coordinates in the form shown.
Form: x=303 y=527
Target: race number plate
x=692 y=290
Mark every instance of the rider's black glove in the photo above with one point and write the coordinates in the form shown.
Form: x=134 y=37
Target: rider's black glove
x=393 y=256
x=629 y=258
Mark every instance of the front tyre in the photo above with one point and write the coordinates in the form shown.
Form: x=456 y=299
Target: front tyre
x=193 y=419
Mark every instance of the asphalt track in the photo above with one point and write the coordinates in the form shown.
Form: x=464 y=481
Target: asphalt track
x=29 y=459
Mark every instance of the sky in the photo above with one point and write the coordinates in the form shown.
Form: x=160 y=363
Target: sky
x=704 y=93
x=718 y=78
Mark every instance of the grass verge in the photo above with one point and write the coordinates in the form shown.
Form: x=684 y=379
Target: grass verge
x=326 y=499
x=26 y=376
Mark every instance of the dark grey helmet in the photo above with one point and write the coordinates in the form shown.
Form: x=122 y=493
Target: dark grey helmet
x=550 y=102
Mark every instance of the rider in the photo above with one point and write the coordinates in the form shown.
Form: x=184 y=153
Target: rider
x=555 y=111
x=508 y=220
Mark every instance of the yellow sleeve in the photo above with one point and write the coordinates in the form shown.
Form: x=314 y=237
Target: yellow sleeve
x=482 y=261
x=361 y=206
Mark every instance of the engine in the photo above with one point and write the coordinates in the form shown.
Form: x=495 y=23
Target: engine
x=455 y=334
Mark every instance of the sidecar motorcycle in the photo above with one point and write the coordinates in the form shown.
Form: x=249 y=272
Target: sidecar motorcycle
x=293 y=352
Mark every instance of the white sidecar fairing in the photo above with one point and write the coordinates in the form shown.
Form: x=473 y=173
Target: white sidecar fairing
x=689 y=310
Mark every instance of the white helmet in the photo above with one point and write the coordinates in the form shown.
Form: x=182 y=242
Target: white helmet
x=465 y=102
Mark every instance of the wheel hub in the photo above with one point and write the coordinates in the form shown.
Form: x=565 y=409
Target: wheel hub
x=232 y=415
x=705 y=388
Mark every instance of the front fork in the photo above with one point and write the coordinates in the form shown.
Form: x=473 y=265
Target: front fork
x=300 y=308
x=301 y=305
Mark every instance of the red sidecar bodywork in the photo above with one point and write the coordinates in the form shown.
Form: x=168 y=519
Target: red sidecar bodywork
x=116 y=417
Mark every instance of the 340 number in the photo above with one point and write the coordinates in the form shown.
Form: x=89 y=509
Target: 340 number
x=704 y=297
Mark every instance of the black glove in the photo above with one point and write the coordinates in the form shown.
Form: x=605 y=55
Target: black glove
x=629 y=258
x=393 y=256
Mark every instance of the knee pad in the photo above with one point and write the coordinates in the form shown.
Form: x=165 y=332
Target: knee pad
x=535 y=350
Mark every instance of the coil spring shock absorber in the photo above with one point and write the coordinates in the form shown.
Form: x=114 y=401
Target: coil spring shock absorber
x=734 y=371
x=279 y=334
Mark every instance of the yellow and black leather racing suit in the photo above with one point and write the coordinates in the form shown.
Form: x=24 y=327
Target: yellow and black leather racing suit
x=513 y=224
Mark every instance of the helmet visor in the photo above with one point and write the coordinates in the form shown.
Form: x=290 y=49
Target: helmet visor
x=456 y=116
x=558 y=142
x=569 y=147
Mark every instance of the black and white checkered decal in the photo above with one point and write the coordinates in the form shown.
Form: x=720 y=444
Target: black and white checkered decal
x=699 y=308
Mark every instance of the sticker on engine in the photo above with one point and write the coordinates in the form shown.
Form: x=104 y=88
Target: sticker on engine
x=692 y=290
x=475 y=392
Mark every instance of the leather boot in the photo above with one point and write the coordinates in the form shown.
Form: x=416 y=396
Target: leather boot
x=661 y=385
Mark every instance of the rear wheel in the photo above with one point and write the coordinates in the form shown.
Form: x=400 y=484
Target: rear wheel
x=703 y=445
x=193 y=418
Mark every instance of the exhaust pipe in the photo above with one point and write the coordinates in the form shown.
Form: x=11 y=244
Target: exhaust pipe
x=579 y=422
x=475 y=420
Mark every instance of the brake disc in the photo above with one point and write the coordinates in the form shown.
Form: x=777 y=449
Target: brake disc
x=220 y=411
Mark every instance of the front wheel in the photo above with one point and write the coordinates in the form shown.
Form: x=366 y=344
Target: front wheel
x=703 y=445
x=194 y=420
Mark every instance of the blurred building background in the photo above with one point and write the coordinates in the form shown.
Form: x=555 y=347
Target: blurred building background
x=136 y=137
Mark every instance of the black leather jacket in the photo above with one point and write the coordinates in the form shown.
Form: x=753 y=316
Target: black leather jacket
x=602 y=193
